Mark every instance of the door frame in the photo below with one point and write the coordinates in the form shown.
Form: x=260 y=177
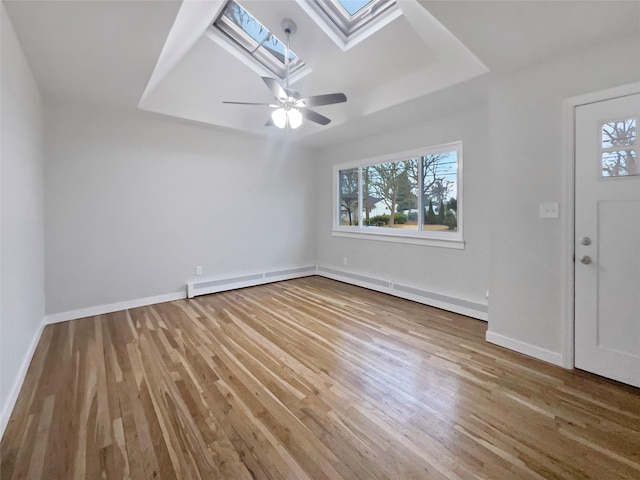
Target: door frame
x=568 y=220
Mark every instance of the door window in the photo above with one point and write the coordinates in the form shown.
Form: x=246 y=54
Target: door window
x=619 y=153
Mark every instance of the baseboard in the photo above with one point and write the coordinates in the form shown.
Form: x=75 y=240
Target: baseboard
x=215 y=285
x=7 y=409
x=221 y=284
x=426 y=297
x=112 y=307
x=525 y=348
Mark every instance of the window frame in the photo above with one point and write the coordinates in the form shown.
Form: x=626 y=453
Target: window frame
x=241 y=39
x=446 y=239
x=350 y=24
x=348 y=30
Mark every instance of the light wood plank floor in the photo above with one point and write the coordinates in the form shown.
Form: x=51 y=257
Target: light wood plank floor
x=308 y=379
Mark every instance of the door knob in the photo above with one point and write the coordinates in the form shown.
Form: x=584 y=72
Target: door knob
x=585 y=241
x=586 y=259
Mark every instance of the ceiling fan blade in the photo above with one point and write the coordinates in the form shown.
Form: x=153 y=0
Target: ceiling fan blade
x=278 y=91
x=247 y=103
x=314 y=116
x=328 y=99
x=273 y=85
x=292 y=93
x=269 y=123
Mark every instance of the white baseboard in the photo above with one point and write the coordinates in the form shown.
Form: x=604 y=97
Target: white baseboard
x=426 y=297
x=214 y=285
x=112 y=307
x=7 y=409
x=525 y=348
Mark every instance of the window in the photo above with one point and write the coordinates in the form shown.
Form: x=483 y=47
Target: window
x=619 y=154
x=354 y=6
x=348 y=22
x=411 y=196
x=245 y=31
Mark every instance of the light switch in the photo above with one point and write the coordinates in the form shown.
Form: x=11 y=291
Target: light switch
x=550 y=210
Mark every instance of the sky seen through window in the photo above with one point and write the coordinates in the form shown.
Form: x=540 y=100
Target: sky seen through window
x=354 y=6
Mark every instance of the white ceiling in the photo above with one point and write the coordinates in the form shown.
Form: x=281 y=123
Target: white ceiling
x=105 y=52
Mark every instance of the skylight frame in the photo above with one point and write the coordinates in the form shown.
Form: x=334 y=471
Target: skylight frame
x=350 y=24
x=348 y=30
x=270 y=58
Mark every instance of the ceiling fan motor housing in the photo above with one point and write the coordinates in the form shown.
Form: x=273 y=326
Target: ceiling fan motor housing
x=289 y=26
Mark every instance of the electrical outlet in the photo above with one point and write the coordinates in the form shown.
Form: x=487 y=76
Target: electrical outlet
x=344 y=260
x=550 y=210
x=199 y=270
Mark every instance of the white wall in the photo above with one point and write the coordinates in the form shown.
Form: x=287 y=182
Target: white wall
x=22 y=224
x=462 y=274
x=134 y=201
x=528 y=294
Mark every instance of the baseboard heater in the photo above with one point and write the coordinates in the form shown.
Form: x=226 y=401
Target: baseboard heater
x=206 y=286
x=435 y=299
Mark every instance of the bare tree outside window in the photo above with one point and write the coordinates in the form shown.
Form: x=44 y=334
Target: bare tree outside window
x=418 y=193
x=619 y=148
x=349 y=196
x=390 y=182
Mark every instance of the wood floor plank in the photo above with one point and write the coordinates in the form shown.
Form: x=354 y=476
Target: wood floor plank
x=308 y=379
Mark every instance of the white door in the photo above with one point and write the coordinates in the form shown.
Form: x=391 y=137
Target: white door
x=607 y=230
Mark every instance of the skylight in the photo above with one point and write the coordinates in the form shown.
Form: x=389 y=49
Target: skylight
x=348 y=22
x=255 y=39
x=354 y=6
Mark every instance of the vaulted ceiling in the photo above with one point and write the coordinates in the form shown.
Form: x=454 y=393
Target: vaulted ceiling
x=165 y=57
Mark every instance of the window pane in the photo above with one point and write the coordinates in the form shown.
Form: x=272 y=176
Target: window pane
x=354 y=6
x=390 y=187
x=619 y=158
x=619 y=133
x=348 y=189
x=440 y=191
x=620 y=163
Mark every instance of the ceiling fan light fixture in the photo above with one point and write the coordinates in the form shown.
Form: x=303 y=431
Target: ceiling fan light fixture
x=279 y=117
x=282 y=117
x=295 y=118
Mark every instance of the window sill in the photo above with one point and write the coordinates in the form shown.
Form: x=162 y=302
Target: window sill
x=416 y=239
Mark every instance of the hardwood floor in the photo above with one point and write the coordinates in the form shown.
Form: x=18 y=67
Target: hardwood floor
x=308 y=379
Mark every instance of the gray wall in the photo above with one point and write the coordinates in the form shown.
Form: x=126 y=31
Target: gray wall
x=134 y=201
x=22 y=222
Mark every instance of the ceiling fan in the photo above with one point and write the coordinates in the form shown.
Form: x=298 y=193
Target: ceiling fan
x=291 y=107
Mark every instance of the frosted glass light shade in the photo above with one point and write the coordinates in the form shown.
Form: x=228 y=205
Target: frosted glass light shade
x=279 y=117
x=295 y=118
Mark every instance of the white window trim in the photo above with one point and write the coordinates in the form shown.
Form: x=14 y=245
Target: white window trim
x=337 y=35
x=244 y=44
x=416 y=237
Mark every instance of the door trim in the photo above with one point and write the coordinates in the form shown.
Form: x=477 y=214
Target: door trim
x=568 y=220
